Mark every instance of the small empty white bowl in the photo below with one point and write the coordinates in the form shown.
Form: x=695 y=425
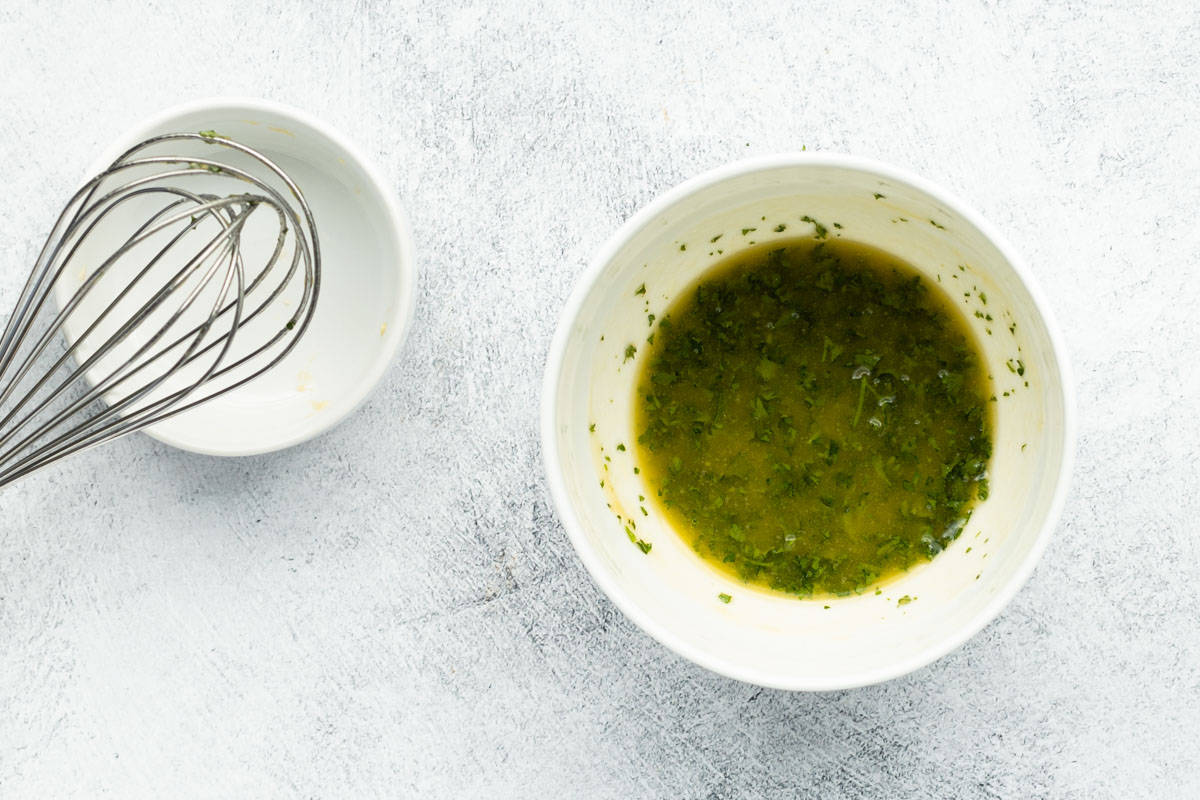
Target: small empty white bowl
x=767 y=638
x=367 y=291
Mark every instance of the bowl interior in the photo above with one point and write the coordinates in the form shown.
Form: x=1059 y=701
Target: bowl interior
x=759 y=636
x=366 y=290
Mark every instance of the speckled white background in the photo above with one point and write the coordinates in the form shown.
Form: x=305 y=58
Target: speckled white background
x=393 y=610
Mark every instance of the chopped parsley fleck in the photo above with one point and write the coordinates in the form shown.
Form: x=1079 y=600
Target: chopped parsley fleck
x=819 y=230
x=206 y=167
x=724 y=598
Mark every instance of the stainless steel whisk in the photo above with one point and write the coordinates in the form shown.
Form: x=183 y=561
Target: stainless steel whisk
x=172 y=306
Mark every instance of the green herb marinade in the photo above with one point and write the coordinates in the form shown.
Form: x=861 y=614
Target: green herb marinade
x=813 y=417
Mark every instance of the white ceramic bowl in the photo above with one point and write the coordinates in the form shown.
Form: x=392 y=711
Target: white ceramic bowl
x=766 y=638
x=368 y=280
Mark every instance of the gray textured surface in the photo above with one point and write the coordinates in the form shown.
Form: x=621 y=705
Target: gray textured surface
x=394 y=610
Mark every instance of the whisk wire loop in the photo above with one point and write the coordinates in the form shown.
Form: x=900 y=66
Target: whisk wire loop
x=186 y=292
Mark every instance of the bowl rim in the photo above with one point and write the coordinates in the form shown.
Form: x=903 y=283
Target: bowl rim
x=574 y=528
x=398 y=228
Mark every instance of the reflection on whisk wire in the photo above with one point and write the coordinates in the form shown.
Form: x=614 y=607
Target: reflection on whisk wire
x=165 y=287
